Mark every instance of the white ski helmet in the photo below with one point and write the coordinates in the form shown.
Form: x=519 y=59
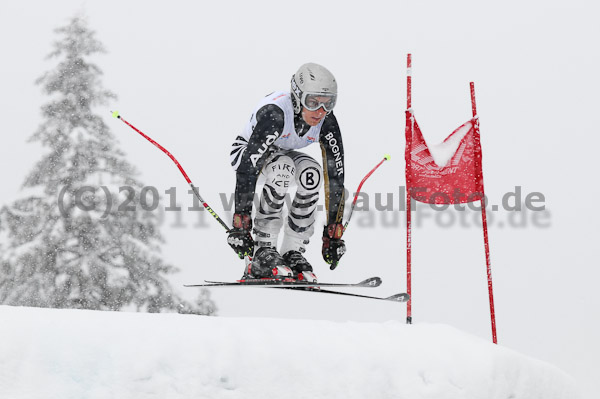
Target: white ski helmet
x=313 y=79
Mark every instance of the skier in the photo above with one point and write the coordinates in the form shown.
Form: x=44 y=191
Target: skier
x=282 y=123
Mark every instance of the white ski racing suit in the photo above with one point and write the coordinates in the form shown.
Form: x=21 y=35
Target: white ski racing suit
x=268 y=145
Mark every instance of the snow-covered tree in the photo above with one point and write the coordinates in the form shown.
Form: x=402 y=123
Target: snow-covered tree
x=66 y=247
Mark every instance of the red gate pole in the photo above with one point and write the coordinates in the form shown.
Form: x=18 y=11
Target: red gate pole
x=408 y=81
x=408 y=201
x=485 y=231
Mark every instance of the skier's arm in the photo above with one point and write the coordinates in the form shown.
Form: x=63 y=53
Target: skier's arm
x=269 y=124
x=333 y=169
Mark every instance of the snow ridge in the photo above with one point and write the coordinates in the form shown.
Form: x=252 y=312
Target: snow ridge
x=89 y=354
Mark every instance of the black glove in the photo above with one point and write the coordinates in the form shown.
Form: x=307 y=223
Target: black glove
x=333 y=246
x=239 y=237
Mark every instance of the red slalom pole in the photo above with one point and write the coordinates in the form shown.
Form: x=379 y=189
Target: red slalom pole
x=485 y=231
x=194 y=188
x=408 y=200
x=408 y=81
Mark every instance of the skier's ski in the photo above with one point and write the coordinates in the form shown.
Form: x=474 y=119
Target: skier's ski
x=288 y=283
x=402 y=297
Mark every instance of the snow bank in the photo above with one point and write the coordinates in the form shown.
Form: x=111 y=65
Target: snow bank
x=84 y=354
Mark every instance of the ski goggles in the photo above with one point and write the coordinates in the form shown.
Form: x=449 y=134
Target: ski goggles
x=313 y=102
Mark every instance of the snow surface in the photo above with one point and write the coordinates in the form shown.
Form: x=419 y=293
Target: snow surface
x=89 y=354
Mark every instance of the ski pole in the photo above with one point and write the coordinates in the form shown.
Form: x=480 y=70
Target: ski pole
x=194 y=188
x=385 y=158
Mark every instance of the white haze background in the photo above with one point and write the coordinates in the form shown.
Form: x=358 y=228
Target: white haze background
x=190 y=73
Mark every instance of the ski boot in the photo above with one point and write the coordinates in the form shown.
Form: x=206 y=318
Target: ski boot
x=303 y=271
x=267 y=264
